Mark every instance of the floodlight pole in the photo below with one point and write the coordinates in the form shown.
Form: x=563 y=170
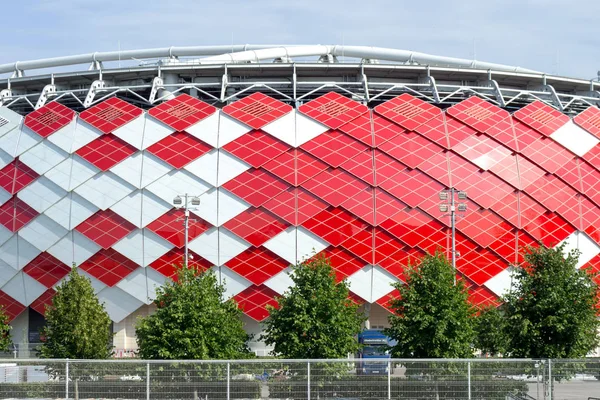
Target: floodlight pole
x=186 y=226
x=453 y=226
x=184 y=203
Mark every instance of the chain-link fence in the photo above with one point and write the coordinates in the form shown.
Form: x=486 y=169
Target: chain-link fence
x=481 y=379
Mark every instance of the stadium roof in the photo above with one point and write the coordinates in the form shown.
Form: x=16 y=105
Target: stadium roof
x=294 y=74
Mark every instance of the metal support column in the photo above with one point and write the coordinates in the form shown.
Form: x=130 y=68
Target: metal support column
x=147 y=381
x=469 y=379
x=308 y=380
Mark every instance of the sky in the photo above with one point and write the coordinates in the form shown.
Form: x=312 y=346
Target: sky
x=555 y=36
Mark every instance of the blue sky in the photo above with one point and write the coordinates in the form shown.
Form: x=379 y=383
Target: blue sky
x=555 y=36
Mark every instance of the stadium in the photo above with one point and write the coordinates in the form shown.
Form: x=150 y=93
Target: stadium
x=291 y=150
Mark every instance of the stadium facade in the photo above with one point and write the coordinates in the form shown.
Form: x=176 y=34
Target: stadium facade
x=289 y=157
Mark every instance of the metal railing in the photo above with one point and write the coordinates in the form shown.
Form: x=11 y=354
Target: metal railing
x=470 y=379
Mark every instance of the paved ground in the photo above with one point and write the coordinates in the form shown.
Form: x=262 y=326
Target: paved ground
x=575 y=390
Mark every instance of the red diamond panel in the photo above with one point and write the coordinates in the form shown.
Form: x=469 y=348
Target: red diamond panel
x=46 y=269
x=334 y=147
x=12 y=308
x=15 y=213
x=457 y=131
x=106 y=151
x=361 y=245
x=343 y=262
x=416 y=229
x=548 y=154
x=386 y=300
x=256 y=226
x=335 y=186
x=45 y=300
x=295 y=166
x=361 y=205
x=257 y=110
x=437 y=168
x=105 y=228
x=483 y=226
x=386 y=205
x=436 y=129
x=479 y=114
x=295 y=205
x=182 y=112
x=483 y=297
x=590 y=177
x=254 y=300
x=48 y=119
x=541 y=117
x=556 y=196
x=335 y=225
x=257 y=264
x=108 y=266
x=15 y=176
x=549 y=228
x=410 y=186
x=408 y=111
x=179 y=149
x=169 y=262
x=256 y=148
x=506 y=246
x=411 y=149
x=111 y=114
x=393 y=255
x=371 y=129
x=333 y=109
x=589 y=120
x=361 y=166
x=256 y=186
x=170 y=226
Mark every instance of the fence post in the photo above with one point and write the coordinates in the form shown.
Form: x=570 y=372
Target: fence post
x=549 y=379
x=67 y=380
x=389 y=379
x=228 y=379
x=469 y=379
x=308 y=379
x=147 y=381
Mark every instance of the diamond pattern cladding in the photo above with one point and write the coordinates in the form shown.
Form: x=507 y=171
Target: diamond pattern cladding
x=359 y=185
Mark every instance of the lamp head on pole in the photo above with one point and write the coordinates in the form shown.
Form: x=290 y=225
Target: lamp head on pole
x=177 y=201
x=195 y=201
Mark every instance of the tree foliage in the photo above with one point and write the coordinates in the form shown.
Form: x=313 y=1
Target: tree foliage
x=77 y=325
x=432 y=317
x=314 y=318
x=5 y=340
x=490 y=328
x=550 y=310
x=192 y=321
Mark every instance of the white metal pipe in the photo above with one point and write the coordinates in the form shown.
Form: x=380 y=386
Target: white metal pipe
x=256 y=53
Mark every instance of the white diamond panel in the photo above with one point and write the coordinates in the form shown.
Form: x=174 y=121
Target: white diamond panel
x=575 y=139
x=141 y=169
x=154 y=131
x=218 y=245
x=24 y=288
x=142 y=246
x=74 y=248
x=580 y=241
x=141 y=207
x=71 y=210
x=104 y=190
x=42 y=232
x=234 y=283
x=230 y=129
x=72 y=172
x=132 y=132
x=280 y=282
x=207 y=130
x=217 y=167
x=64 y=137
x=41 y=194
x=43 y=157
x=176 y=183
x=118 y=303
x=18 y=252
x=18 y=141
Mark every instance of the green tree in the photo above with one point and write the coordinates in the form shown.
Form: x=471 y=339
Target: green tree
x=77 y=325
x=314 y=318
x=490 y=328
x=192 y=321
x=432 y=317
x=5 y=340
x=550 y=310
